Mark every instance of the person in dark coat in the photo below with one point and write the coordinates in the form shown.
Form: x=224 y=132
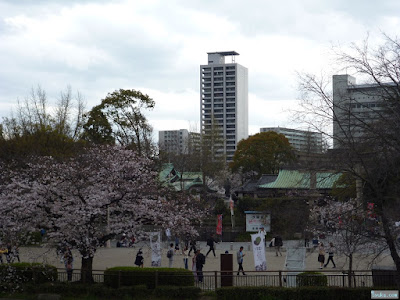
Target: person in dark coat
x=200 y=261
x=139 y=259
x=192 y=247
x=278 y=245
x=210 y=243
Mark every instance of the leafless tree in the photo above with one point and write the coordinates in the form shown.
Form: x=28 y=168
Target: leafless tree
x=363 y=122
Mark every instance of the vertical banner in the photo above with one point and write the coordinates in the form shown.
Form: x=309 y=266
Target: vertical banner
x=260 y=262
x=219 y=225
x=155 y=246
x=370 y=210
x=232 y=212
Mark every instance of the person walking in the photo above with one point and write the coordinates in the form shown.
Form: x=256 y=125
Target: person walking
x=168 y=234
x=194 y=269
x=69 y=267
x=176 y=245
x=68 y=262
x=200 y=261
x=278 y=244
x=3 y=250
x=210 y=243
x=239 y=257
x=170 y=255
x=9 y=253
x=139 y=261
x=321 y=255
x=185 y=257
x=331 y=252
x=192 y=247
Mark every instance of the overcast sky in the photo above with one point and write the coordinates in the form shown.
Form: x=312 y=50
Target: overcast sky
x=157 y=47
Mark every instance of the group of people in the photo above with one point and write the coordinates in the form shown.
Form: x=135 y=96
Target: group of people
x=275 y=241
x=321 y=255
x=124 y=241
x=11 y=253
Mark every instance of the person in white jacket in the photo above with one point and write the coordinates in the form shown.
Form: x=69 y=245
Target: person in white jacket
x=264 y=234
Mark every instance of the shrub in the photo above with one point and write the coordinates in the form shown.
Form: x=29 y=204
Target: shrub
x=94 y=291
x=129 y=276
x=303 y=293
x=311 y=279
x=28 y=272
x=177 y=292
x=243 y=237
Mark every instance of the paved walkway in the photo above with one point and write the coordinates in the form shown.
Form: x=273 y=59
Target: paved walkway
x=112 y=257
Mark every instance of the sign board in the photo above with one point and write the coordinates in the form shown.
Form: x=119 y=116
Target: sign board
x=257 y=219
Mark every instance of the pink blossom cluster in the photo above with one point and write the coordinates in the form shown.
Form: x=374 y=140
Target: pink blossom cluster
x=87 y=199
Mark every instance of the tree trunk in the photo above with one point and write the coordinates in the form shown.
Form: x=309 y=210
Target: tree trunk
x=391 y=244
x=86 y=270
x=350 y=268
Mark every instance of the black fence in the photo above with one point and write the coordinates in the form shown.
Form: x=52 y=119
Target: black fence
x=211 y=280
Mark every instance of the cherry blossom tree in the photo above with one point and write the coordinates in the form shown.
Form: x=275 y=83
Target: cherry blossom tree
x=352 y=230
x=90 y=198
x=368 y=140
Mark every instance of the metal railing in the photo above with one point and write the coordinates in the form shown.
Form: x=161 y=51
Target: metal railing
x=211 y=280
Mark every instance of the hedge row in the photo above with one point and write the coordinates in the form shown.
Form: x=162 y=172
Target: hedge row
x=103 y=292
x=301 y=293
x=129 y=276
x=18 y=273
x=311 y=279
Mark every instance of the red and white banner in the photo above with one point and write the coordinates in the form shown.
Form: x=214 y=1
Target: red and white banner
x=231 y=205
x=219 y=225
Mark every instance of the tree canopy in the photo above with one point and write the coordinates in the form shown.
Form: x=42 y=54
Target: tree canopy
x=37 y=128
x=120 y=117
x=262 y=153
x=90 y=198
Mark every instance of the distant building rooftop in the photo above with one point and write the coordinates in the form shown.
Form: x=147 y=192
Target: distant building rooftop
x=294 y=179
x=224 y=53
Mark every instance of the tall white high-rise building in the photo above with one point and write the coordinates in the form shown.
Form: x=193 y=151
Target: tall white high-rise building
x=224 y=100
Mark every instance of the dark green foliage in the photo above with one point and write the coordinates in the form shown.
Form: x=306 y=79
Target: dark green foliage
x=177 y=292
x=288 y=214
x=262 y=153
x=220 y=208
x=43 y=142
x=78 y=290
x=311 y=279
x=97 y=129
x=244 y=237
x=120 y=118
x=248 y=203
x=13 y=276
x=304 y=293
x=131 y=276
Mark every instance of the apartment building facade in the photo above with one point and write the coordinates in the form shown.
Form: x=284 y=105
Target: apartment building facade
x=301 y=140
x=355 y=107
x=224 y=101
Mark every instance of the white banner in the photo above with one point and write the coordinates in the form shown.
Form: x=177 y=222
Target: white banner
x=155 y=245
x=260 y=262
